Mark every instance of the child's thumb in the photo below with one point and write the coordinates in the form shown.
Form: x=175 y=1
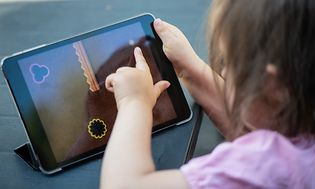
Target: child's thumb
x=161 y=86
x=162 y=29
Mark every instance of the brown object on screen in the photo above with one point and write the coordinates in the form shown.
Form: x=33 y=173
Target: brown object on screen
x=101 y=108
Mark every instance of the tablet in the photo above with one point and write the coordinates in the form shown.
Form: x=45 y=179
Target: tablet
x=61 y=97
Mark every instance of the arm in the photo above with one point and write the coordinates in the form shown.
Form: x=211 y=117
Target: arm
x=128 y=161
x=206 y=88
x=197 y=76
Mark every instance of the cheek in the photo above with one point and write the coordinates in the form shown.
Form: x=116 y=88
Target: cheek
x=223 y=72
x=231 y=100
x=230 y=94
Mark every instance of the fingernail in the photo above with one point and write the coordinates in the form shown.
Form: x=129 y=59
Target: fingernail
x=158 y=22
x=168 y=85
x=138 y=51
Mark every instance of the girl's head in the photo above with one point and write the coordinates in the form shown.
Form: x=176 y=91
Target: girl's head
x=268 y=50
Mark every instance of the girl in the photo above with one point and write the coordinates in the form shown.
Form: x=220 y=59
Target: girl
x=262 y=101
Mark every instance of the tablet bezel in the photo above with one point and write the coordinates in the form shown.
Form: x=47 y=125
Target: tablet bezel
x=28 y=112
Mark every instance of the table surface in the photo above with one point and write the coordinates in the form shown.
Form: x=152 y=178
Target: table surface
x=27 y=24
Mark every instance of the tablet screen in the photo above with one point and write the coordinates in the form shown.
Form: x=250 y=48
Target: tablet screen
x=67 y=87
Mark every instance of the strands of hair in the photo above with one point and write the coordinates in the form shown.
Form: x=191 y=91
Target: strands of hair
x=249 y=35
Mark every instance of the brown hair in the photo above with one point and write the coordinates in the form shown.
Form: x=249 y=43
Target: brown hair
x=255 y=33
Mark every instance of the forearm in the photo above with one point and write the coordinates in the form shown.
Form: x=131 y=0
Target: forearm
x=128 y=154
x=207 y=87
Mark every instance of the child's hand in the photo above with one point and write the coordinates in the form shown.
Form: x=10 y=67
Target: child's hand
x=135 y=84
x=197 y=76
x=178 y=49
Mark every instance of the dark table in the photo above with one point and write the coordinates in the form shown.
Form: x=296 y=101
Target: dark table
x=24 y=25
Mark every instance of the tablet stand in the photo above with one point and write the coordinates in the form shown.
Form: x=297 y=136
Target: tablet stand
x=26 y=154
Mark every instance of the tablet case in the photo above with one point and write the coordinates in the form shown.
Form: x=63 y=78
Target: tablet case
x=25 y=152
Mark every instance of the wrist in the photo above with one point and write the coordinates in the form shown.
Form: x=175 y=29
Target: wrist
x=195 y=70
x=135 y=103
x=136 y=111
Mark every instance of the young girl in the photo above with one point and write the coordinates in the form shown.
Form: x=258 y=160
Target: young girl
x=262 y=101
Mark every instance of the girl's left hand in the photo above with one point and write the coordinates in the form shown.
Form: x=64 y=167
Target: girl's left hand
x=135 y=84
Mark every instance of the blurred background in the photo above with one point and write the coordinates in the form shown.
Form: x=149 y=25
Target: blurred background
x=28 y=23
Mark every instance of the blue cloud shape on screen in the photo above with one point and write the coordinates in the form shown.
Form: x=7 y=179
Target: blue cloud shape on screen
x=39 y=73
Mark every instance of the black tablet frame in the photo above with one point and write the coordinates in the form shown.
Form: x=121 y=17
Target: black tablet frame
x=28 y=113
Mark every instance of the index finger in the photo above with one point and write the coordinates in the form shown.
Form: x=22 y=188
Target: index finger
x=141 y=63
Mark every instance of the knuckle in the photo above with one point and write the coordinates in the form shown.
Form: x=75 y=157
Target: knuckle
x=108 y=78
x=121 y=69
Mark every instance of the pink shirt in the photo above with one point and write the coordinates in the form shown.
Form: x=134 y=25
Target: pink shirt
x=260 y=159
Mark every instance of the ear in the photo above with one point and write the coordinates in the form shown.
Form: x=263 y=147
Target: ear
x=275 y=92
x=271 y=70
x=272 y=87
x=262 y=111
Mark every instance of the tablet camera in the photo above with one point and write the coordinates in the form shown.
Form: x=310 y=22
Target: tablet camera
x=39 y=73
x=131 y=42
x=97 y=128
